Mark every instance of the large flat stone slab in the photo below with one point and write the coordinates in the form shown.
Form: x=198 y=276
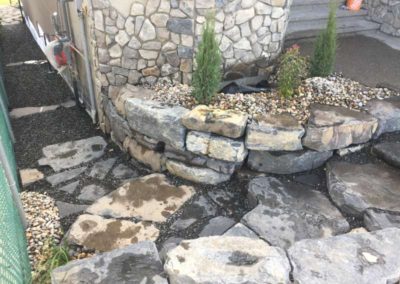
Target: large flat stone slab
x=376 y=220
x=196 y=174
x=274 y=133
x=354 y=188
x=348 y=259
x=387 y=112
x=91 y=192
x=240 y=230
x=29 y=176
x=66 y=209
x=138 y=263
x=156 y=120
x=65 y=176
x=288 y=212
x=150 y=198
x=389 y=152
x=227 y=123
x=224 y=259
x=331 y=127
x=73 y=153
x=217 y=226
x=98 y=233
x=287 y=162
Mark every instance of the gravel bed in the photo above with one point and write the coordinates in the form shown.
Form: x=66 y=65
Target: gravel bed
x=334 y=90
x=43 y=223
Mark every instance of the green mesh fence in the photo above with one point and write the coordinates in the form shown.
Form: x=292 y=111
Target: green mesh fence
x=14 y=261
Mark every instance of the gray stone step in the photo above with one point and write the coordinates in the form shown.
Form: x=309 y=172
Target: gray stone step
x=320 y=12
x=346 y=25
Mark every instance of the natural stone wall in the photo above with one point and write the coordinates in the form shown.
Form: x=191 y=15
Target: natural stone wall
x=143 y=41
x=387 y=13
x=209 y=145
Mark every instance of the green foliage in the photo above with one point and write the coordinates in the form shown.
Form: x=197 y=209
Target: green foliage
x=323 y=60
x=292 y=69
x=207 y=76
x=52 y=256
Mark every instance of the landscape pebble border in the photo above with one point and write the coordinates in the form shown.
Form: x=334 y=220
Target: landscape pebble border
x=207 y=145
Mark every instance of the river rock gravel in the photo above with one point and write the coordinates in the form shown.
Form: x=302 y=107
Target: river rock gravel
x=334 y=90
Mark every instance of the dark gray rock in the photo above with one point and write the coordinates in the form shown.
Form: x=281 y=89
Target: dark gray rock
x=138 y=263
x=389 y=152
x=67 y=209
x=217 y=226
x=376 y=220
x=198 y=209
x=355 y=188
x=387 y=112
x=101 y=168
x=348 y=259
x=288 y=212
x=180 y=26
x=240 y=230
x=91 y=192
x=65 y=176
x=158 y=121
x=331 y=127
x=123 y=172
x=185 y=52
x=70 y=188
x=287 y=162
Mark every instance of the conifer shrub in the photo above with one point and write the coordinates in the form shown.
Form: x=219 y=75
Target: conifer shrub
x=207 y=75
x=292 y=68
x=323 y=60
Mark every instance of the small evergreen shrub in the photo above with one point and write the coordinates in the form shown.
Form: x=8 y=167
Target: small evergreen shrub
x=207 y=76
x=323 y=60
x=292 y=68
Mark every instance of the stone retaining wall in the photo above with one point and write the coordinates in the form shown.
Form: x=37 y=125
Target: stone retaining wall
x=387 y=13
x=208 y=145
x=142 y=41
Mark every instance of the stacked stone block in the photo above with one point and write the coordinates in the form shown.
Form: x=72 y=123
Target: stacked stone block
x=387 y=13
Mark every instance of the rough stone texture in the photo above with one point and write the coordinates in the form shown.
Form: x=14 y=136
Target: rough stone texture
x=332 y=127
x=70 y=188
x=65 y=176
x=157 y=121
x=387 y=112
x=91 y=192
x=29 y=176
x=387 y=13
x=217 y=226
x=95 y=232
x=288 y=212
x=198 y=209
x=153 y=159
x=355 y=188
x=223 y=122
x=348 y=259
x=389 y=152
x=150 y=198
x=223 y=259
x=376 y=220
x=274 y=133
x=352 y=149
x=240 y=230
x=67 y=209
x=287 y=162
x=196 y=174
x=70 y=154
x=101 y=168
x=123 y=172
x=138 y=263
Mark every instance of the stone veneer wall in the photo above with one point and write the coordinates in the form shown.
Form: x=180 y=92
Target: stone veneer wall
x=140 y=41
x=209 y=145
x=387 y=13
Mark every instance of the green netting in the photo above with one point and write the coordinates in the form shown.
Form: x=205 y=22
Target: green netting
x=14 y=262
